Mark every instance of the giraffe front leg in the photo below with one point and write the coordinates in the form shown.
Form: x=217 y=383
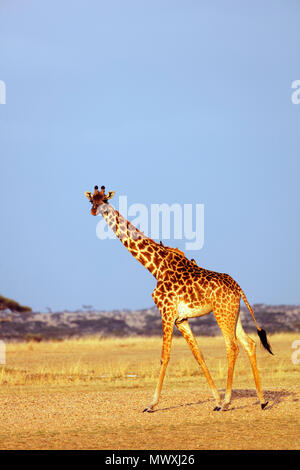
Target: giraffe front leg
x=165 y=356
x=185 y=329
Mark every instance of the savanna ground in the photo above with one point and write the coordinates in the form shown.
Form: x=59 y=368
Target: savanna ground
x=90 y=394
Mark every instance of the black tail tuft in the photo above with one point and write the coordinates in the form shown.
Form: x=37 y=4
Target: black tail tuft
x=264 y=340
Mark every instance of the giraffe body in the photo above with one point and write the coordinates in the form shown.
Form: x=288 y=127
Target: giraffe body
x=195 y=291
x=185 y=290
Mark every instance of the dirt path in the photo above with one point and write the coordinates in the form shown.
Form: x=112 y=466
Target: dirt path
x=113 y=420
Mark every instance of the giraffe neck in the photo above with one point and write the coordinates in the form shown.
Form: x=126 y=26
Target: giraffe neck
x=149 y=253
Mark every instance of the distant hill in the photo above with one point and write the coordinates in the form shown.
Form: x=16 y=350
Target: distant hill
x=147 y=322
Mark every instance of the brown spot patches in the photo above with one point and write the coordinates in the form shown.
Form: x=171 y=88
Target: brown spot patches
x=147 y=255
x=151 y=267
x=142 y=244
x=156 y=260
x=168 y=285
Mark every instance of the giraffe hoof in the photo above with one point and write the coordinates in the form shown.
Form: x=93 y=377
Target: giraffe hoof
x=148 y=410
x=217 y=408
x=225 y=406
x=263 y=405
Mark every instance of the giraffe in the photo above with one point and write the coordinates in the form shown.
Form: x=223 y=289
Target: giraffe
x=183 y=291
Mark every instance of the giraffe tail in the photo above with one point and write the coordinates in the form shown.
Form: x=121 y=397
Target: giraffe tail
x=261 y=333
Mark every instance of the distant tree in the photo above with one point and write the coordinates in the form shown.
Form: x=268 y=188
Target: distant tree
x=13 y=306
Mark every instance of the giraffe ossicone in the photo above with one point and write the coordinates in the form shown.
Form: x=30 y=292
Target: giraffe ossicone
x=184 y=290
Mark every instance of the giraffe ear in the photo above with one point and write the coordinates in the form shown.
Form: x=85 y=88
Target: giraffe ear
x=89 y=195
x=109 y=195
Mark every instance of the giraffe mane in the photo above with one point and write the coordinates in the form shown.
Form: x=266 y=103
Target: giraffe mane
x=175 y=250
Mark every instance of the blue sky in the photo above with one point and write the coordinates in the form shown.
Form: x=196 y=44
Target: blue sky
x=161 y=101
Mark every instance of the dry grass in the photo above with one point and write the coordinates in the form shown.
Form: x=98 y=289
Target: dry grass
x=97 y=360
x=67 y=394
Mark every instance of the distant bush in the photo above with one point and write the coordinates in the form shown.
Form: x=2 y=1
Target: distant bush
x=33 y=337
x=12 y=305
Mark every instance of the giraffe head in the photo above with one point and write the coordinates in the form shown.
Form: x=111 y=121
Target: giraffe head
x=98 y=198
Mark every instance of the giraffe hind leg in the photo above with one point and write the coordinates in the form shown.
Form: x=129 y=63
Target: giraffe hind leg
x=226 y=317
x=232 y=351
x=250 y=347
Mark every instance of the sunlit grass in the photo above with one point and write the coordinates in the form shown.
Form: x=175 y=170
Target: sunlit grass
x=134 y=362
